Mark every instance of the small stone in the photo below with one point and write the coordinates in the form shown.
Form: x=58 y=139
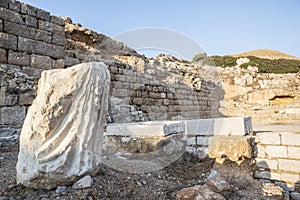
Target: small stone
x=198 y=192
x=295 y=195
x=84 y=182
x=60 y=189
x=138 y=183
x=216 y=182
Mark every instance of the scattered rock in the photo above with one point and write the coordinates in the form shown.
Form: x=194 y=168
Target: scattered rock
x=176 y=128
x=269 y=189
x=295 y=195
x=216 y=182
x=60 y=189
x=198 y=192
x=84 y=182
x=62 y=133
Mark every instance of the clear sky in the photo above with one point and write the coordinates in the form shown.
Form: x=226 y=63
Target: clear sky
x=218 y=26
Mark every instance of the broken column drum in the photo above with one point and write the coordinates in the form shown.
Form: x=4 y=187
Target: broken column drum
x=62 y=134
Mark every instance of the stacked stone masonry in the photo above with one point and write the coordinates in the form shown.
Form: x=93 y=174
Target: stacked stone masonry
x=32 y=40
x=267 y=98
x=278 y=158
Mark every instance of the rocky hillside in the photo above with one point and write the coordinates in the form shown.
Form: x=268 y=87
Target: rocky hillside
x=267 y=54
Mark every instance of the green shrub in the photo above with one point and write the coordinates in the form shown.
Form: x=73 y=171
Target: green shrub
x=220 y=61
x=277 y=66
x=199 y=57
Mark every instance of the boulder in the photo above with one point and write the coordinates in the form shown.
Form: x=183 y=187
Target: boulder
x=62 y=134
x=235 y=148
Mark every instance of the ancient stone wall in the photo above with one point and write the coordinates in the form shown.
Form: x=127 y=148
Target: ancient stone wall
x=267 y=98
x=32 y=40
x=278 y=158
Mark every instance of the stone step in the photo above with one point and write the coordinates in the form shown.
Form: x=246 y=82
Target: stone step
x=196 y=127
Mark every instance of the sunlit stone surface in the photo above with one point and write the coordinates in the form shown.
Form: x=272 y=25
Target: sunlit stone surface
x=61 y=137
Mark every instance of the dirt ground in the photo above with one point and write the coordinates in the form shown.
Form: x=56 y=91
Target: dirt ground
x=161 y=184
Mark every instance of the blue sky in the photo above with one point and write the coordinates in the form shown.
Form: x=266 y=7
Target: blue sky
x=218 y=26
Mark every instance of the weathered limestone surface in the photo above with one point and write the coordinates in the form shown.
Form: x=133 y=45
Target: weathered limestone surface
x=236 y=148
x=61 y=137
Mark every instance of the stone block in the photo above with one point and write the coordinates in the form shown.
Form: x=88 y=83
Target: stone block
x=290 y=139
x=295 y=195
x=43 y=15
x=3 y=56
x=59 y=64
x=15 y=5
x=71 y=61
x=294 y=152
x=9 y=136
x=41 y=62
x=43 y=36
x=26 y=31
x=151 y=128
x=11 y=16
x=27 y=45
x=219 y=126
x=59 y=40
x=26 y=98
x=1 y=25
x=290 y=178
x=276 y=151
x=51 y=27
x=119 y=92
x=18 y=29
x=57 y=20
x=119 y=77
x=202 y=141
x=30 y=21
x=234 y=147
x=8 y=41
x=191 y=141
x=261 y=151
x=176 y=128
x=4 y=3
x=51 y=153
x=28 y=9
x=7 y=132
x=268 y=138
x=267 y=175
x=32 y=72
x=286 y=186
x=18 y=58
x=38 y=47
x=266 y=163
x=7 y=99
x=13 y=116
x=289 y=165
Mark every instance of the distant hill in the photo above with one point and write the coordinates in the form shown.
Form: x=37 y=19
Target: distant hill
x=267 y=61
x=266 y=53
